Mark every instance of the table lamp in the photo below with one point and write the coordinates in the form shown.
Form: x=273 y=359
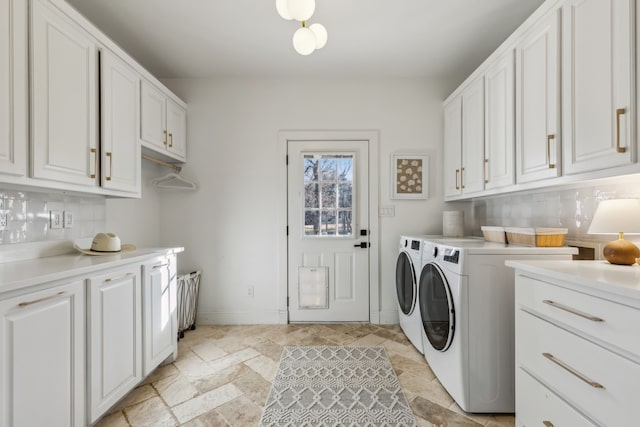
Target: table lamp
x=618 y=216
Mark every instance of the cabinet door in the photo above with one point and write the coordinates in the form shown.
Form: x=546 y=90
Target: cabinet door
x=120 y=149
x=153 y=114
x=499 y=81
x=115 y=340
x=42 y=358
x=159 y=311
x=597 y=72
x=472 y=173
x=13 y=87
x=452 y=147
x=177 y=128
x=63 y=93
x=538 y=102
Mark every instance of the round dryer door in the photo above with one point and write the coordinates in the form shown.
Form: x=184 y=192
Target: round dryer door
x=436 y=307
x=406 y=284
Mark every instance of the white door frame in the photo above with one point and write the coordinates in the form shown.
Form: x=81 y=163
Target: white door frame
x=374 y=237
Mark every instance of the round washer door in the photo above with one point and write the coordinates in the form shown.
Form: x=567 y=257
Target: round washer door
x=406 y=283
x=436 y=307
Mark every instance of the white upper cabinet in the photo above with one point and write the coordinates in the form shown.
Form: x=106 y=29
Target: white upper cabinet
x=472 y=172
x=64 y=99
x=499 y=108
x=163 y=128
x=452 y=147
x=120 y=148
x=597 y=69
x=538 y=138
x=13 y=87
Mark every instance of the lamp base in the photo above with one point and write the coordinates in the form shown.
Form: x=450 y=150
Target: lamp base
x=621 y=252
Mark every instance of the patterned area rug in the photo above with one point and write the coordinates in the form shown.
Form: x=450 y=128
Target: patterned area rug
x=336 y=386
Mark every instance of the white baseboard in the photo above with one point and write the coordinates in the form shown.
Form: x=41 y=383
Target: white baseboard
x=265 y=317
x=389 y=317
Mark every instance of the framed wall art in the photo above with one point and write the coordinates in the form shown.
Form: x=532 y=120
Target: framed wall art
x=409 y=176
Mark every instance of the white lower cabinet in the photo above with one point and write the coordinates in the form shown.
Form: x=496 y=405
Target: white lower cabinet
x=577 y=359
x=115 y=340
x=42 y=357
x=160 y=304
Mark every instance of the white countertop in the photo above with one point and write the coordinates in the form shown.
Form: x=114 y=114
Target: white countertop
x=620 y=280
x=16 y=275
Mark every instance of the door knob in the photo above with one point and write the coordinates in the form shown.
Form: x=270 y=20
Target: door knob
x=362 y=245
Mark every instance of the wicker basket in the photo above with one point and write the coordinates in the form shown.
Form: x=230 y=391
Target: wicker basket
x=542 y=237
x=493 y=234
x=550 y=236
x=521 y=236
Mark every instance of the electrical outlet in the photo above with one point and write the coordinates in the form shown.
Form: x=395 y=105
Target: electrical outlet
x=250 y=291
x=55 y=219
x=3 y=220
x=67 y=219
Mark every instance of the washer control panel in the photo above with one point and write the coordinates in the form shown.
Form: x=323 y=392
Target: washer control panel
x=451 y=255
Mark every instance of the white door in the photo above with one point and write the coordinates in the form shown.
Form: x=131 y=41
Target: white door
x=452 y=147
x=472 y=172
x=177 y=128
x=153 y=115
x=328 y=223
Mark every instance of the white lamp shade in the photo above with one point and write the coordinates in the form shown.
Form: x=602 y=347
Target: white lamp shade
x=321 y=35
x=616 y=216
x=304 y=41
x=301 y=10
x=283 y=9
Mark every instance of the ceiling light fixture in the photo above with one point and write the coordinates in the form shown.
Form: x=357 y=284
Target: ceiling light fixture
x=305 y=39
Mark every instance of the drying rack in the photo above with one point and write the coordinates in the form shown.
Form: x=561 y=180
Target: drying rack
x=173 y=180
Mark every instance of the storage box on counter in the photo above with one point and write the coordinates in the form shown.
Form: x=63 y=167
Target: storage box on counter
x=542 y=237
x=493 y=234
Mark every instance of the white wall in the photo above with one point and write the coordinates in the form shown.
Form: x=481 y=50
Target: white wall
x=229 y=226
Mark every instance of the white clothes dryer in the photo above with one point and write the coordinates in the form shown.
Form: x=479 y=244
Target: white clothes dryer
x=467 y=316
x=408 y=267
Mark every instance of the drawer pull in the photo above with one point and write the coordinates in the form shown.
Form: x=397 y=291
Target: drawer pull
x=548 y=423
x=572 y=311
x=161 y=265
x=113 y=279
x=27 y=303
x=572 y=371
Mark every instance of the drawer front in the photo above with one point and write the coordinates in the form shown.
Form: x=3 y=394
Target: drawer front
x=536 y=406
x=567 y=362
x=605 y=320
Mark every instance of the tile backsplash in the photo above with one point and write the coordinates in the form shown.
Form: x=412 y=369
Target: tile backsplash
x=571 y=207
x=28 y=216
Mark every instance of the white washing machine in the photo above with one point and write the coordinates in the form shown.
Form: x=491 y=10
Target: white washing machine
x=408 y=267
x=467 y=318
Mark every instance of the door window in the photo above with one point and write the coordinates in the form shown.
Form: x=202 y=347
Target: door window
x=436 y=307
x=328 y=195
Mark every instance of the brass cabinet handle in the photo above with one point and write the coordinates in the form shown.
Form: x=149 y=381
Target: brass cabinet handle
x=94 y=151
x=110 y=156
x=161 y=265
x=572 y=311
x=548 y=423
x=549 y=139
x=457 y=173
x=572 y=371
x=170 y=139
x=619 y=112
x=113 y=279
x=462 y=178
x=485 y=171
x=27 y=303
x=165 y=138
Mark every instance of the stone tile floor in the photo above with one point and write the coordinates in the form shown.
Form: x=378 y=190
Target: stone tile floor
x=223 y=374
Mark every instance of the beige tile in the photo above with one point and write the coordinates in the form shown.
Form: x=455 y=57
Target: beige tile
x=241 y=412
x=493 y=420
x=369 y=340
x=264 y=366
x=221 y=378
x=176 y=389
x=414 y=386
x=192 y=366
x=151 y=412
x=340 y=338
x=161 y=372
x=210 y=419
x=405 y=350
x=233 y=359
x=268 y=348
x=439 y=415
x=139 y=394
x=115 y=419
x=208 y=350
x=205 y=402
x=232 y=344
x=254 y=387
x=419 y=369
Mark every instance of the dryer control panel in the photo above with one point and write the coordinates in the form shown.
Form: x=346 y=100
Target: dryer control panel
x=451 y=255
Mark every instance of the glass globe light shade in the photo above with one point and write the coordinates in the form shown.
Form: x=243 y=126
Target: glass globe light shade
x=283 y=9
x=301 y=10
x=321 y=35
x=304 y=42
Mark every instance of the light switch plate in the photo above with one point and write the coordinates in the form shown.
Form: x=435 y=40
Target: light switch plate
x=387 y=211
x=67 y=219
x=3 y=220
x=55 y=219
